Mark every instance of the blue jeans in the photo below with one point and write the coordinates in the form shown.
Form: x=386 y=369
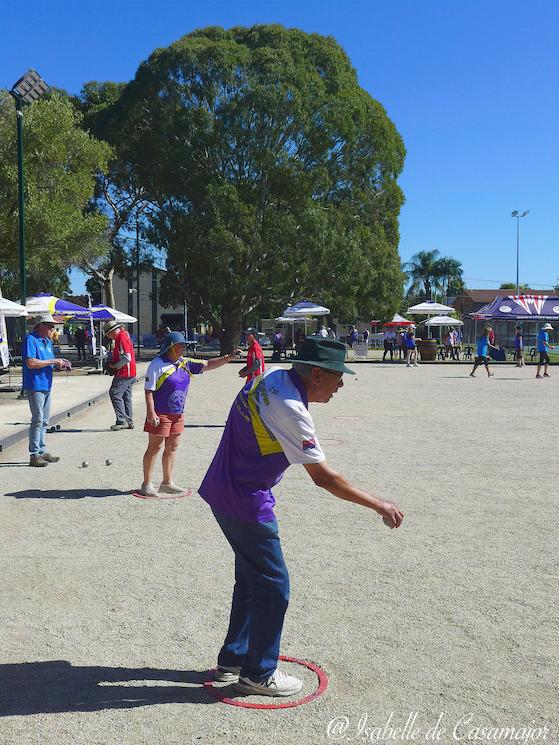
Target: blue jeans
x=260 y=598
x=39 y=403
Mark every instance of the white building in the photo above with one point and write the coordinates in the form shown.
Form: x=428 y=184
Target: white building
x=152 y=313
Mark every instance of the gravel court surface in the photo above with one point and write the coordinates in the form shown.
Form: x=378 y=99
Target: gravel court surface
x=114 y=606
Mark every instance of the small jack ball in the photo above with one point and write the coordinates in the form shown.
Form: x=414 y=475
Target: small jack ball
x=108 y=462
x=58 y=426
x=85 y=464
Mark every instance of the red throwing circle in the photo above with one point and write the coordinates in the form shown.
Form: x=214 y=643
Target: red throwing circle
x=322 y=685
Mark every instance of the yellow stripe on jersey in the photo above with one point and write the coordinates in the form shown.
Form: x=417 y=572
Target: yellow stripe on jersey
x=267 y=443
x=182 y=362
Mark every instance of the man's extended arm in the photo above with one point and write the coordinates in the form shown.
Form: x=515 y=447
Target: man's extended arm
x=329 y=479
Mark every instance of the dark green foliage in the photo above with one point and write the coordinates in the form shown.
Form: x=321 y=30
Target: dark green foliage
x=273 y=171
x=60 y=165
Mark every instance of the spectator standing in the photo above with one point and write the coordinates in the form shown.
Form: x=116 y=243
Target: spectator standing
x=331 y=333
x=543 y=346
x=519 y=347
x=80 y=340
x=411 y=347
x=123 y=367
x=400 y=344
x=38 y=361
x=255 y=357
x=353 y=336
x=389 y=341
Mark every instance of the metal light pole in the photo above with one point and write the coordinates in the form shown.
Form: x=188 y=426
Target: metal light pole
x=518 y=215
x=27 y=89
x=138 y=283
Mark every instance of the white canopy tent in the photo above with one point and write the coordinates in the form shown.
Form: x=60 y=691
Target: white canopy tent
x=304 y=310
x=12 y=310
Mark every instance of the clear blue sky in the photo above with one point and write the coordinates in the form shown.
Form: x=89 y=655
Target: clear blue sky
x=472 y=86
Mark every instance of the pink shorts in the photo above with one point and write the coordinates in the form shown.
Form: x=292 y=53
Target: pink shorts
x=169 y=424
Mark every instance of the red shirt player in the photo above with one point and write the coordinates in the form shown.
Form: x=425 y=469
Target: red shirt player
x=255 y=357
x=123 y=364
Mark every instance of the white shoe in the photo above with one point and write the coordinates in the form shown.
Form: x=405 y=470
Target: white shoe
x=278 y=684
x=148 y=490
x=170 y=488
x=224 y=674
x=416 y=364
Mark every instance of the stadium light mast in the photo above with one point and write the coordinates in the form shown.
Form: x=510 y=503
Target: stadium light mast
x=518 y=215
x=28 y=88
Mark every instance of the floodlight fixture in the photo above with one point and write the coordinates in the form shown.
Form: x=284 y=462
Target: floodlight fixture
x=29 y=87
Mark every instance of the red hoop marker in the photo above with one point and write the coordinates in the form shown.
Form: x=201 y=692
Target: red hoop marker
x=319 y=672
x=187 y=493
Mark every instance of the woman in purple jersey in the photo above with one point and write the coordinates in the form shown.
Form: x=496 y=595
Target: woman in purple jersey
x=166 y=388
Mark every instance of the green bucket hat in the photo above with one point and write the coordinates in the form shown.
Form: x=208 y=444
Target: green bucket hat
x=319 y=352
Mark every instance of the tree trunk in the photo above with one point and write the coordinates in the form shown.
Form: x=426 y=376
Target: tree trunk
x=108 y=291
x=231 y=331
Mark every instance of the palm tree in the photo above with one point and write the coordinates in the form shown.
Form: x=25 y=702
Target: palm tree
x=423 y=270
x=450 y=270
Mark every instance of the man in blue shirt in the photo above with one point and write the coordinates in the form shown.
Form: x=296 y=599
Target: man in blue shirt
x=543 y=346
x=38 y=362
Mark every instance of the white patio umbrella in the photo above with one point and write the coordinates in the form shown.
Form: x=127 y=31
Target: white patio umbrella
x=398 y=320
x=444 y=321
x=429 y=308
x=44 y=302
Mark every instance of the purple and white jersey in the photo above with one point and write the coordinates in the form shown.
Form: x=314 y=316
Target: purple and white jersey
x=268 y=429
x=169 y=382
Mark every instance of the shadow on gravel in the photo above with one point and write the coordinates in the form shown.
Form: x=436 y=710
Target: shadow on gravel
x=65 y=493
x=14 y=464
x=57 y=686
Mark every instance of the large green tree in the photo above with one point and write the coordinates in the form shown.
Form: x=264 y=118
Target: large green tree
x=118 y=195
x=61 y=161
x=274 y=173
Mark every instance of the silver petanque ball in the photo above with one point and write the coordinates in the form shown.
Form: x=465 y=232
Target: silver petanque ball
x=108 y=462
x=85 y=464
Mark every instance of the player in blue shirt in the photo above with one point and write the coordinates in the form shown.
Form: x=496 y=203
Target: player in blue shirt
x=483 y=358
x=38 y=362
x=543 y=346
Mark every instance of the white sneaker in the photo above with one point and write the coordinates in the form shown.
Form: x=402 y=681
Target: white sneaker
x=224 y=674
x=170 y=488
x=148 y=490
x=416 y=364
x=278 y=684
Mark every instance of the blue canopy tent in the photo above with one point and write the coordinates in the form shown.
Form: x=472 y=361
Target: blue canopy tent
x=521 y=309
